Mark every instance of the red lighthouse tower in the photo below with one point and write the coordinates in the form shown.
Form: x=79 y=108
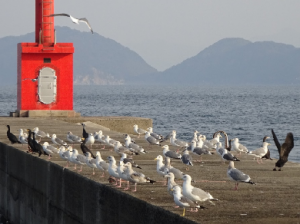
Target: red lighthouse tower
x=45 y=69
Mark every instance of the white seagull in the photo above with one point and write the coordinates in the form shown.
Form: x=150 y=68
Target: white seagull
x=74 y=20
x=193 y=193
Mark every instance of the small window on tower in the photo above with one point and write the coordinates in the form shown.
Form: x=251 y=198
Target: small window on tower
x=47 y=60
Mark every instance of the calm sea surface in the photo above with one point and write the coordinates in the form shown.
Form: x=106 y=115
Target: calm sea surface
x=248 y=113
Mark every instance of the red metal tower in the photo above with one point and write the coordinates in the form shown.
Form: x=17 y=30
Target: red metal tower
x=45 y=69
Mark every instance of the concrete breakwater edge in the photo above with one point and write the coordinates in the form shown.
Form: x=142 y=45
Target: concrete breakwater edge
x=36 y=190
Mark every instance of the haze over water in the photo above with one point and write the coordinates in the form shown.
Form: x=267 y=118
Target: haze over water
x=248 y=113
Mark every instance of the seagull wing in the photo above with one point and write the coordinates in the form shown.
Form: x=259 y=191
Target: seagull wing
x=238 y=175
x=87 y=23
x=59 y=14
x=203 y=196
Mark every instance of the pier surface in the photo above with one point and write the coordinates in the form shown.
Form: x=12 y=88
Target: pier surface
x=275 y=198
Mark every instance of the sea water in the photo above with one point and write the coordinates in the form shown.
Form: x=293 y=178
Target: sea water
x=246 y=112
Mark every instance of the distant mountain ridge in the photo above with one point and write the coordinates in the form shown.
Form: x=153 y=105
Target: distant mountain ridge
x=230 y=61
x=97 y=60
x=234 y=61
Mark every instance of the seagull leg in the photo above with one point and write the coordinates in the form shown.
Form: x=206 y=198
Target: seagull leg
x=120 y=184
x=75 y=167
x=134 y=187
x=102 y=174
x=128 y=186
x=261 y=161
x=183 y=214
x=117 y=182
x=80 y=169
x=93 y=171
x=236 y=186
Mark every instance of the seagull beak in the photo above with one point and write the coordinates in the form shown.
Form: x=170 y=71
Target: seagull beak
x=155 y=159
x=269 y=144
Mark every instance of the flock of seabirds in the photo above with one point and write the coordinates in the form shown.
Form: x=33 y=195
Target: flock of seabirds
x=185 y=196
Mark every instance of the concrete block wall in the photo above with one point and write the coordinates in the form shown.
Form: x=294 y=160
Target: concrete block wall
x=36 y=191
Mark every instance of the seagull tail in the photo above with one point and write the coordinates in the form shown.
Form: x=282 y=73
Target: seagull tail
x=251 y=182
x=151 y=181
x=138 y=167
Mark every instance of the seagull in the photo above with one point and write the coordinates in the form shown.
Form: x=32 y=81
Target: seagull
x=65 y=155
x=151 y=140
x=176 y=142
x=155 y=135
x=237 y=146
x=171 y=182
x=268 y=154
x=198 y=150
x=119 y=149
x=74 y=20
x=284 y=149
x=122 y=174
x=113 y=169
x=170 y=154
x=160 y=166
x=99 y=137
x=78 y=159
x=260 y=152
x=39 y=133
x=49 y=149
x=136 y=177
x=124 y=159
x=193 y=193
x=133 y=147
x=227 y=156
x=73 y=138
x=90 y=140
x=138 y=130
x=186 y=159
x=237 y=175
x=22 y=137
x=178 y=174
x=182 y=201
x=101 y=164
x=90 y=161
x=57 y=141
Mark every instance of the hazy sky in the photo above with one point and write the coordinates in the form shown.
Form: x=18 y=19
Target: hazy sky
x=166 y=32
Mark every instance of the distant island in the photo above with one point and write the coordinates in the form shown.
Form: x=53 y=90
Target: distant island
x=230 y=61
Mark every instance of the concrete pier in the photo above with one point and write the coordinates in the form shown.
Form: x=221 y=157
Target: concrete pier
x=36 y=190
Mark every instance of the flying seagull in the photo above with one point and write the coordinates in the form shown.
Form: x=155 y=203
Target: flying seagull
x=74 y=20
